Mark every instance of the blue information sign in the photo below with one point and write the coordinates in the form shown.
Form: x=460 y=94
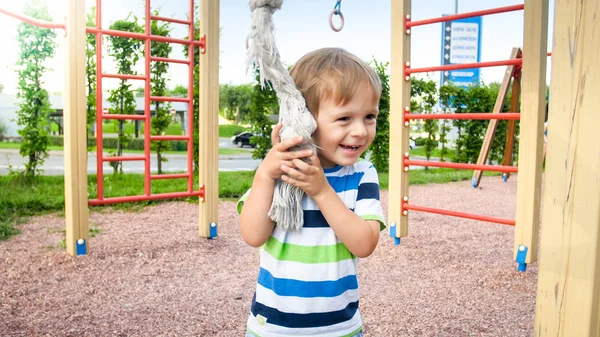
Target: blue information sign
x=461 y=43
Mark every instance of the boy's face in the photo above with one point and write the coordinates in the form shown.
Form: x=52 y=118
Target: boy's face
x=344 y=132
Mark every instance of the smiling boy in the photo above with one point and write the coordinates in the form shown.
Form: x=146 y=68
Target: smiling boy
x=307 y=284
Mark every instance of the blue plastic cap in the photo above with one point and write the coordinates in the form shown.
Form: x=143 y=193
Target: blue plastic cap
x=213 y=230
x=80 y=247
x=474 y=182
x=396 y=241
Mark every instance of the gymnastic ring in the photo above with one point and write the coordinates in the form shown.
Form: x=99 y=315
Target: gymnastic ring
x=336 y=12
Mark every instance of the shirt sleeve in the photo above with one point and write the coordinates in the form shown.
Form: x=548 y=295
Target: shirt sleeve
x=240 y=203
x=368 y=205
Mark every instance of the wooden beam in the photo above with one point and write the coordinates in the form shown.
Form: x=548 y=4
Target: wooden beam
x=493 y=124
x=568 y=292
x=510 y=133
x=399 y=133
x=75 y=138
x=533 y=109
x=209 y=117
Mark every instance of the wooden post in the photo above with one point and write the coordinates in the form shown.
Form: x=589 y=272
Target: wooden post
x=75 y=138
x=568 y=292
x=533 y=109
x=510 y=133
x=209 y=117
x=399 y=132
x=493 y=124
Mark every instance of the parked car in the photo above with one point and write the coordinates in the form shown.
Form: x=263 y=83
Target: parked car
x=411 y=143
x=243 y=139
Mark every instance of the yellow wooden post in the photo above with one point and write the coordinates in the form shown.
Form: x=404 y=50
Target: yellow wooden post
x=209 y=122
x=568 y=292
x=399 y=131
x=75 y=138
x=510 y=133
x=531 y=141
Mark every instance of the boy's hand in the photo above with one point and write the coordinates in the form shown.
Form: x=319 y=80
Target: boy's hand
x=279 y=154
x=310 y=178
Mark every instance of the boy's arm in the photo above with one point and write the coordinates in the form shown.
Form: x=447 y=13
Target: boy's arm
x=255 y=224
x=358 y=235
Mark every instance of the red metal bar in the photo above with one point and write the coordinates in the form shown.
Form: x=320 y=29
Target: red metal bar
x=190 y=112
x=99 y=115
x=465 y=15
x=125 y=76
x=154 y=138
x=170 y=176
x=147 y=93
x=549 y=53
x=174 y=195
x=162 y=18
x=513 y=62
x=140 y=36
x=477 y=116
x=32 y=21
x=123 y=117
x=503 y=221
x=164 y=59
x=124 y=158
x=494 y=168
x=169 y=99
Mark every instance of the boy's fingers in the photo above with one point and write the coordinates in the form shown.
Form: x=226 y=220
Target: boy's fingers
x=302 y=166
x=275 y=139
x=290 y=142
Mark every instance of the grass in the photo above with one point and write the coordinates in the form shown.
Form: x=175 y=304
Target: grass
x=21 y=198
x=4 y=145
x=435 y=153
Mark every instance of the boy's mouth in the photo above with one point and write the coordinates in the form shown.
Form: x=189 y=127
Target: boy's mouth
x=350 y=147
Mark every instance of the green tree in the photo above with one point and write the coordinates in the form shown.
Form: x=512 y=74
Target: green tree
x=179 y=91
x=423 y=100
x=162 y=118
x=264 y=103
x=380 y=148
x=90 y=71
x=1 y=88
x=36 y=46
x=126 y=53
x=235 y=102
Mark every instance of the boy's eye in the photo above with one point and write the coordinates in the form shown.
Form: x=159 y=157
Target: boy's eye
x=344 y=119
x=371 y=117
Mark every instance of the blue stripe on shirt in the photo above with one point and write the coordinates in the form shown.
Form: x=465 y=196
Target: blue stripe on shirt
x=368 y=191
x=346 y=182
x=315 y=219
x=290 y=320
x=306 y=289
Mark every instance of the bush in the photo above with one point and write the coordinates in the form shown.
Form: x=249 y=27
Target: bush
x=421 y=142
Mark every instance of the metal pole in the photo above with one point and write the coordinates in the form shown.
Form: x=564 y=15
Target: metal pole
x=455 y=6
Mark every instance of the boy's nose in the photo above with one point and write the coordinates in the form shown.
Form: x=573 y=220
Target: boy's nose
x=359 y=130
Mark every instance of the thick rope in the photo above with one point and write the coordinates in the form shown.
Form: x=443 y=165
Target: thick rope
x=286 y=209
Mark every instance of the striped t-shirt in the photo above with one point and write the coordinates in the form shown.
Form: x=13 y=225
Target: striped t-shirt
x=307 y=283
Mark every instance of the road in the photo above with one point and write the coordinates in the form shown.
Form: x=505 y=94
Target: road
x=54 y=164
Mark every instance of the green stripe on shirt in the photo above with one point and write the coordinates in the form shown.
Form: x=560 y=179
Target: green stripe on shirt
x=307 y=254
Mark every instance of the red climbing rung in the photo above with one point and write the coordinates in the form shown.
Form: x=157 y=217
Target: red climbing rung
x=169 y=138
x=477 y=116
x=170 y=176
x=123 y=117
x=162 y=18
x=512 y=62
x=471 y=216
x=164 y=59
x=175 y=195
x=169 y=99
x=124 y=158
x=494 y=168
x=464 y=15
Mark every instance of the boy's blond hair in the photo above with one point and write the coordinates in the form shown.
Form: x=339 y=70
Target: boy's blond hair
x=333 y=73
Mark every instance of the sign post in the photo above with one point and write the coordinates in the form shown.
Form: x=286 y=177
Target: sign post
x=461 y=43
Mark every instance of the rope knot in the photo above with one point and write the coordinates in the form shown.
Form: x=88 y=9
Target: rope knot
x=274 y=4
